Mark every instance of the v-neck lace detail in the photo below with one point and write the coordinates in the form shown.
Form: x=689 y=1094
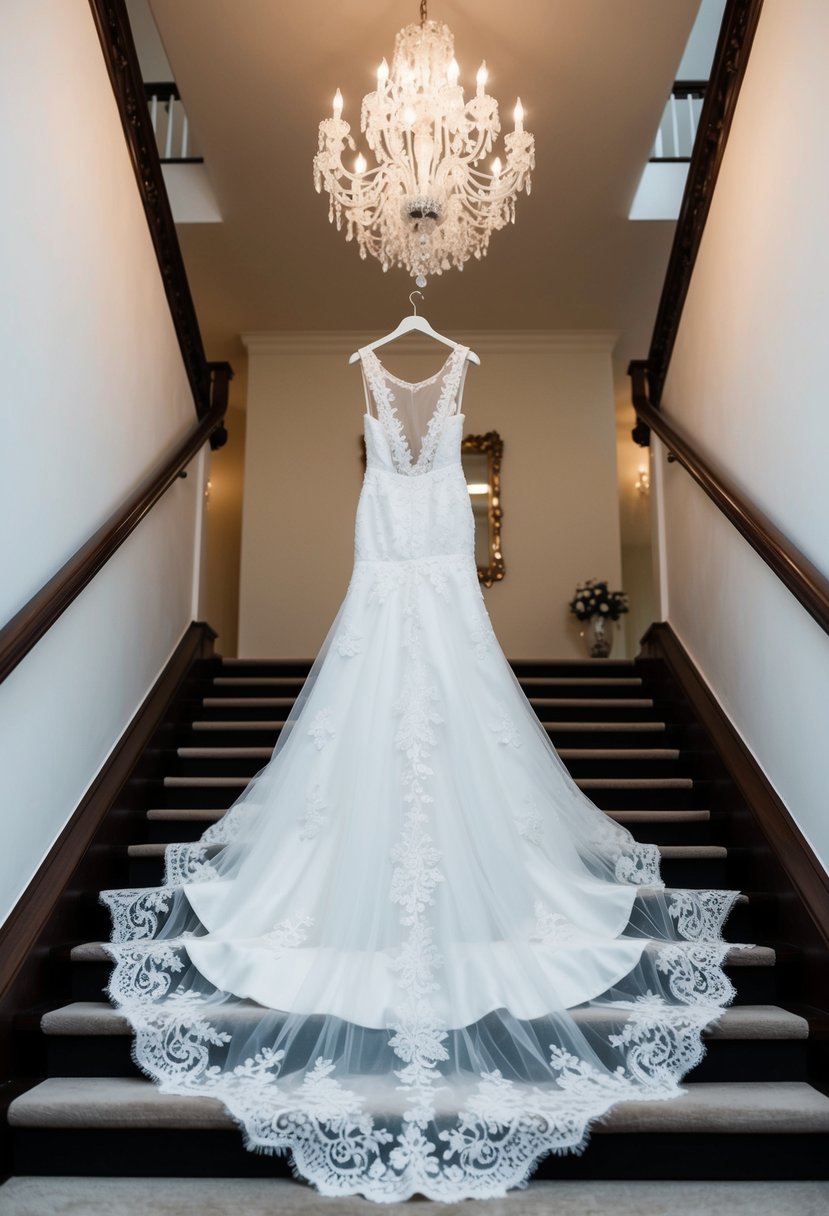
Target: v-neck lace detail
x=377 y=377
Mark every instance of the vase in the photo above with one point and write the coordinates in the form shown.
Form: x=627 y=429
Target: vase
x=599 y=637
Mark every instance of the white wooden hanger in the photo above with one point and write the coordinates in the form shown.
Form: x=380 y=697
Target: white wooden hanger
x=407 y=325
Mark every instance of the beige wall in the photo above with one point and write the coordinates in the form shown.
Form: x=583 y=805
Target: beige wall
x=551 y=398
x=223 y=509
x=637 y=579
x=748 y=382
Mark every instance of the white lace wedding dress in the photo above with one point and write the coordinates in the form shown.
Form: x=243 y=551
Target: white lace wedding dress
x=413 y=952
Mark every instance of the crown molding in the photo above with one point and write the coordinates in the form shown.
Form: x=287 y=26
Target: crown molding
x=484 y=341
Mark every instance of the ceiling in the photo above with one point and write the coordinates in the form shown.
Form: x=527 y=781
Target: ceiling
x=257 y=76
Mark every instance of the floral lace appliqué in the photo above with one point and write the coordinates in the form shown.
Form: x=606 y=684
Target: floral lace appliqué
x=552 y=928
x=321 y=729
x=505 y=728
x=313 y=818
x=290 y=932
x=529 y=821
x=349 y=641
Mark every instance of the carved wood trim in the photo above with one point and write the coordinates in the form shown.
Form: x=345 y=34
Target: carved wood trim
x=794 y=569
x=731 y=57
x=112 y=25
x=28 y=626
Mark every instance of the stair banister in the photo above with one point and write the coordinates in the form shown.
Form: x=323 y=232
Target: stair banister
x=806 y=582
x=27 y=627
x=209 y=381
x=794 y=569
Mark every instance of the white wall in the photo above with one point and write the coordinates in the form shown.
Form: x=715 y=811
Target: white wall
x=748 y=382
x=551 y=398
x=94 y=394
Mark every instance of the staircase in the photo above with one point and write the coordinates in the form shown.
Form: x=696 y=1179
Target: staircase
x=755 y=1106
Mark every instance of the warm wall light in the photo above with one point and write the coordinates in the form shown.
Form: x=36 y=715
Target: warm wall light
x=643 y=480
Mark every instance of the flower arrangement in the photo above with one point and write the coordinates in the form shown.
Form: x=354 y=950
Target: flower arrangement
x=592 y=598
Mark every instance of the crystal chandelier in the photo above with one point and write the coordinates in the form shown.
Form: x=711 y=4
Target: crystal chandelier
x=427 y=203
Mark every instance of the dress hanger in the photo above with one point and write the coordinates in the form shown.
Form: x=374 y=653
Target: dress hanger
x=414 y=322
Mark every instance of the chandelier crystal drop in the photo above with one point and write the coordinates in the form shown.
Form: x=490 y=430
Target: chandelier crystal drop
x=427 y=203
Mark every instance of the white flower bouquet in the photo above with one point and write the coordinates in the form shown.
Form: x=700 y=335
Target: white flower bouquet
x=593 y=598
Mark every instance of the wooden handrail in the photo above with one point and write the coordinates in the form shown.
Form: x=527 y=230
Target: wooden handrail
x=733 y=48
x=28 y=626
x=805 y=581
x=118 y=48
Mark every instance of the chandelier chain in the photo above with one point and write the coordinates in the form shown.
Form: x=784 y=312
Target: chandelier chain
x=423 y=15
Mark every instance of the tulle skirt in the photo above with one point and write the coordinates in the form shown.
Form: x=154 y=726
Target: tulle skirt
x=413 y=953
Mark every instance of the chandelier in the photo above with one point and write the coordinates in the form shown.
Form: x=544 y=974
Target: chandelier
x=427 y=203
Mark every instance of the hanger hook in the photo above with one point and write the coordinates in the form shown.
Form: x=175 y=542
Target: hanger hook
x=411 y=301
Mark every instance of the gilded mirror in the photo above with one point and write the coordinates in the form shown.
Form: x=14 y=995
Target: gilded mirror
x=481 y=457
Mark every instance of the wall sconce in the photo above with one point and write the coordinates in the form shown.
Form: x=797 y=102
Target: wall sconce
x=643 y=481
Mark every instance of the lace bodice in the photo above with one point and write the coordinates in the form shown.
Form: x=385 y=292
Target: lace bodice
x=414 y=502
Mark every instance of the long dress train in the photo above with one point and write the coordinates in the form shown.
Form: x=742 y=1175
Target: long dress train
x=413 y=952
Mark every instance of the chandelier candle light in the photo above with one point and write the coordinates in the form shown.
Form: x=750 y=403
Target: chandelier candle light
x=427 y=203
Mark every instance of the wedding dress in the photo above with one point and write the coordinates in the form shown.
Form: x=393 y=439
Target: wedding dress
x=413 y=953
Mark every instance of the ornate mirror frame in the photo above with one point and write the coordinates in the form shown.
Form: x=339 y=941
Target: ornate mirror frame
x=490 y=445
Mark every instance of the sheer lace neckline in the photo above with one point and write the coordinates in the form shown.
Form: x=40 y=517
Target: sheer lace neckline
x=392 y=424
x=418 y=383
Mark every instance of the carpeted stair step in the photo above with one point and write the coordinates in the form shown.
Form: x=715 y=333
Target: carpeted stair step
x=240 y=760
x=170 y=824
x=673 y=852
x=605 y=687
x=761 y=1022
x=610 y=793
x=549 y=709
x=603 y=682
x=665 y=827
x=246 y=732
x=756 y=977
x=521 y=667
x=694 y=865
x=114 y=1125
x=89 y=1038
x=753 y=972
x=636 y=729
x=617 y=792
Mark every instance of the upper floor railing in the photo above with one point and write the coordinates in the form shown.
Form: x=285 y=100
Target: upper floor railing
x=721 y=93
x=174 y=140
x=677 y=131
x=118 y=49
